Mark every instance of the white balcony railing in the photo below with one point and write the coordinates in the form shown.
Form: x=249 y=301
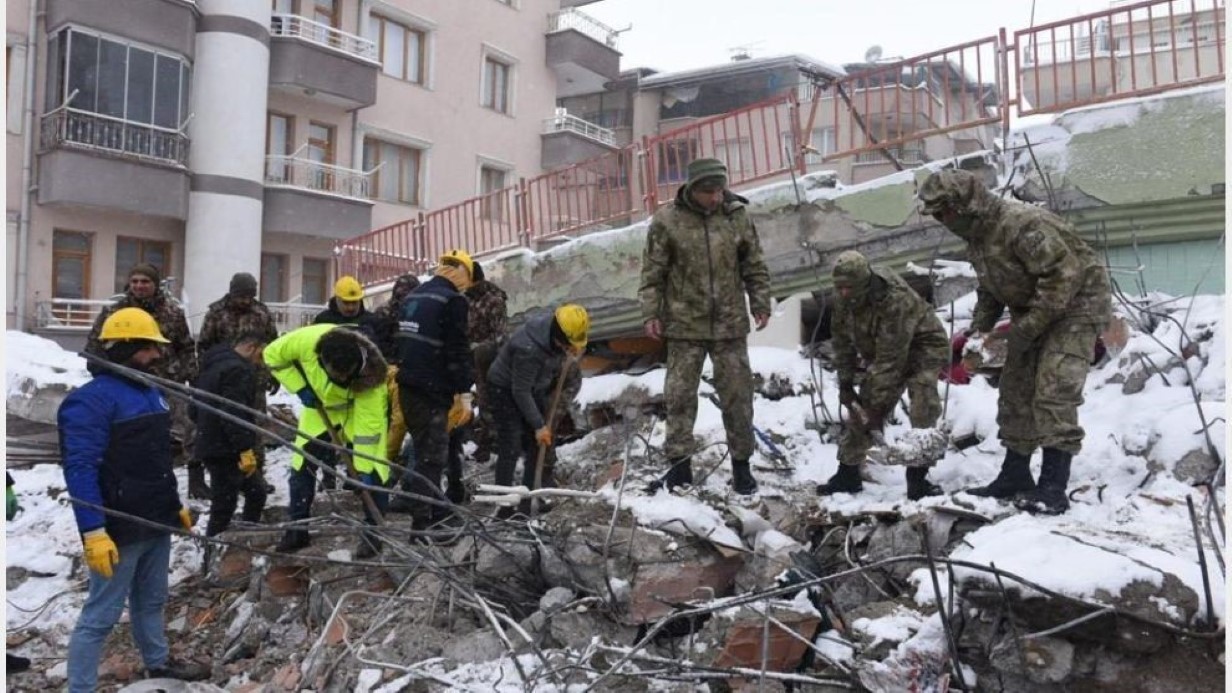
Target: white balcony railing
x=295 y=172
x=292 y=316
x=69 y=127
x=564 y=122
x=905 y=155
x=76 y=314
x=295 y=26
x=573 y=18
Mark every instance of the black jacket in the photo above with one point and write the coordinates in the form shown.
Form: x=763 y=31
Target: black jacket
x=227 y=374
x=364 y=320
x=433 y=349
x=527 y=365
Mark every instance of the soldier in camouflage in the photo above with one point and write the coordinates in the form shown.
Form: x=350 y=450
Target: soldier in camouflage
x=179 y=362
x=883 y=330
x=1033 y=263
x=488 y=321
x=702 y=258
x=238 y=313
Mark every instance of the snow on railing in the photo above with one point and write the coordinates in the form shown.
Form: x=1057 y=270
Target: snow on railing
x=572 y=18
x=296 y=172
x=566 y=122
x=295 y=26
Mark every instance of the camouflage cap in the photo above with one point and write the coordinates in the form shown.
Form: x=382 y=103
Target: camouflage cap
x=852 y=269
x=947 y=188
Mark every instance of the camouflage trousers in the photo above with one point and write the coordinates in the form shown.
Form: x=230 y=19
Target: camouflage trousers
x=483 y=430
x=733 y=380
x=1041 y=390
x=923 y=408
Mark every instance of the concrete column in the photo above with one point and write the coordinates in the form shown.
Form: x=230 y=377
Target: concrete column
x=230 y=89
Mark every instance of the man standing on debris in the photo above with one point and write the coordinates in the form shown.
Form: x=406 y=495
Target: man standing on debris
x=237 y=313
x=488 y=320
x=228 y=448
x=1032 y=262
x=179 y=364
x=883 y=331
x=702 y=257
x=339 y=377
x=115 y=443
x=519 y=385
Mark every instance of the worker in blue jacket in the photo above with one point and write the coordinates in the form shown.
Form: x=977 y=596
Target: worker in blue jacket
x=115 y=443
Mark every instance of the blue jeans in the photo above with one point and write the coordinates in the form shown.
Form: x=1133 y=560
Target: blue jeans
x=141 y=578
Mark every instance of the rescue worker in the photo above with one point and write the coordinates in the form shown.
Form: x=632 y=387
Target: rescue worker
x=179 y=364
x=346 y=307
x=488 y=321
x=519 y=387
x=115 y=443
x=1032 y=262
x=436 y=370
x=336 y=370
x=702 y=258
x=890 y=340
x=385 y=321
x=237 y=313
x=226 y=447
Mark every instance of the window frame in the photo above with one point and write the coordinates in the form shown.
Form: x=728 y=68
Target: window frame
x=377 y=28
x=281 y=282
x=494 y=213
x=87 y=262
x=487 y=89
x=323 y=284
x=279 y=172
x=377 y=145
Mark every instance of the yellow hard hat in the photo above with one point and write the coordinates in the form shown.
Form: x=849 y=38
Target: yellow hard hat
x=575 y=323
x=131 y=323
x=347 y=288
x=461 y=257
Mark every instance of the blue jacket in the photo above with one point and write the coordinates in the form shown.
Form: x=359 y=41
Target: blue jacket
x=434 y=353
x=115 y=444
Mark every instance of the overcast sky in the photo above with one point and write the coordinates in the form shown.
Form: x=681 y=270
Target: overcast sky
x=672 y=35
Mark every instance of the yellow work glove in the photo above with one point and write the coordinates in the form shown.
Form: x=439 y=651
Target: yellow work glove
x=248 y=462
x=459 y=413
x=101 y=552
x=544 y=436
x=186 y=519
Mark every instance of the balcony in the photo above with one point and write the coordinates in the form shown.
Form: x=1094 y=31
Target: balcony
x=582 y=51
x=166 y=24
x=308 y=58
x=93 y=160
x=568 y=139
x=314 y=199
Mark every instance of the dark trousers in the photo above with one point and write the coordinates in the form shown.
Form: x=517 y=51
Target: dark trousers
x=514 y=438
x=303 y=482
x=227 y=482
x=426 y=420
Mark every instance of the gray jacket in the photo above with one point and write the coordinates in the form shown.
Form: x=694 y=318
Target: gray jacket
x=526 y=366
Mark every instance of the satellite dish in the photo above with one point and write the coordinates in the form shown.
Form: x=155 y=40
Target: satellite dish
x=873 y=54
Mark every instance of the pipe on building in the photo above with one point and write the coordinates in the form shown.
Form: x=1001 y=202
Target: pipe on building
x=27 y=168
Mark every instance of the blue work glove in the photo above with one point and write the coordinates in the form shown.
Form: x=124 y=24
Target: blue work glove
x=307 y=397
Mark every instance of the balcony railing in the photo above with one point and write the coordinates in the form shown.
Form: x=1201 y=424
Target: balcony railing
x=292 y=316
x=295 y=172
x=76 y=314
x=906 y=155
x=295 y=26
x=69 y=127
x=572 y=18
x=564 y=122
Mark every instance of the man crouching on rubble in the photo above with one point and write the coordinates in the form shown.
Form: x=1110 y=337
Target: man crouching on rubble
x=115 y=443
x=882 y=322
x=337 y=373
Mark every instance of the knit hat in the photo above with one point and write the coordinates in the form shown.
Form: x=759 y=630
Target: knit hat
x=145 y=269
x=243 y=285
x=702 y=169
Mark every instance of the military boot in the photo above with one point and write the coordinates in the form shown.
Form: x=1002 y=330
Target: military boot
x=845 y=480
x=679 y=474
x=197 y=488
x=743 y=482
x=1015 y=478
x=918 y=485
x=1048 y=498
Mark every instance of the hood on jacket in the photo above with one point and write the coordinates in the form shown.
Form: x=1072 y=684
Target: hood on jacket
x=539 y=329
x=374 y=368
x=731 y=201
x=220 y=353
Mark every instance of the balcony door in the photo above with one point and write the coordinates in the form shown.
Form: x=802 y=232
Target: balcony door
x=279 y=133
x=321 y=151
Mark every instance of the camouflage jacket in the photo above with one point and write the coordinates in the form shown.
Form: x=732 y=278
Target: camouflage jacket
x=488 y=316
x=224 y=322
x=384 y=328
x=697 y=269
x=888 y=330
x=180 y=360
x=1032 y=262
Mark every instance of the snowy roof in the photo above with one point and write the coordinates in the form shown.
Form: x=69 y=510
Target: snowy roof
x=804 y=62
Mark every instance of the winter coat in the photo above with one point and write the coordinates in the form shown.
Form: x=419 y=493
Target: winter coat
x=179 y=362
x=890 y=331
x=1033 y=262
x=364 y=320
x=488 y=316
x=434 y=354
x=360 y=410
x=115 y=445
x=227 y=374
x=698 y=267
x=224 y=321
x=526 y=366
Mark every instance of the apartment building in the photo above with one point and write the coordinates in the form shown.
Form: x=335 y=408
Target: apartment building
x=218 y=136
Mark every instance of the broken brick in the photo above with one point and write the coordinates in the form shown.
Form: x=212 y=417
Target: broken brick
x=742 y=642
x=287 y=580
x=656 y=586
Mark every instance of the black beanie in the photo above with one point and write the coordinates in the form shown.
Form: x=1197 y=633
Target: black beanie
x=243 y=285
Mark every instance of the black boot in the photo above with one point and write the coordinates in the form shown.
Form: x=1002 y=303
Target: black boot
x=679 y=474
x=369 y=545
x=743 y=482
x=845 y=480
x=15 y=664
x=181 y=671
x=197 y=488
x=293 y=540
x=1048 y=498
x=918 y=485
x=1015 y=478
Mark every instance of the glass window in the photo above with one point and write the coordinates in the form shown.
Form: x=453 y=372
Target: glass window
x=273 y=278
x=280 y=130
x=495 y=85
x=133 y=251
x=140 y=86
x=397 y=180
x=491 y=181
x=112 y=72
x=167 y=92
x=83 y=70
x=70 y=266
x=402 y=49
x=316 y=280
x=393 y=49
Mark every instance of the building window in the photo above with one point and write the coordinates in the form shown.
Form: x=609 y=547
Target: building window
x=403 y=50
x=397 y=179
x=70 y=264
x=674 y=157
x=495 y=85
x=325 y=12
x=821 y=141
x=279 y=132
x=314 y=289
x=491 y=181
x=135 y=251
x=273 y=278
x=321 y=151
